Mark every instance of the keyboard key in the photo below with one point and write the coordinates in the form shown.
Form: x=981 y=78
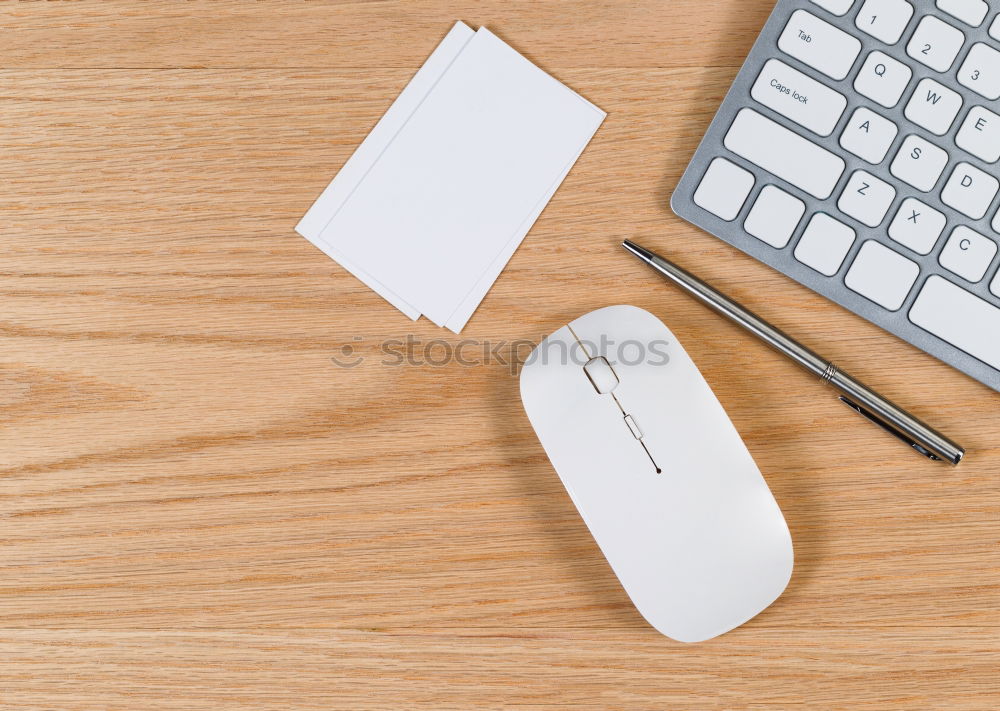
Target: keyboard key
x=819 y=44
x=784 y=153
x=724 y=189
x=824 y=244
x=980 y=135
x=884 y=19
x=866 y=198
x=971 y=12
x=798 y=97
x=882 y=275
x=968 y=253
x=995 y=28
x=970 y=191
x=882 y=79
x=836 y=7
x=933 y=106
x=935 y=43
x=962 y=319
x=981 y=71
x=774 y=217
x=868 y=135
x=919 y=163
x=917 y=226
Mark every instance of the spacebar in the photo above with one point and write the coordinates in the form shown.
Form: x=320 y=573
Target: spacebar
x=784 y=153
x=963 y=319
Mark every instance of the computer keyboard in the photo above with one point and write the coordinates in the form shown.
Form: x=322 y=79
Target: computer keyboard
x=857 y=153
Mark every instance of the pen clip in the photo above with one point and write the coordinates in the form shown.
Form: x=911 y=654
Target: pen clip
x=888 y=428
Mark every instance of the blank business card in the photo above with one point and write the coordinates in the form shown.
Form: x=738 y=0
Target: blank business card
x=432 y=206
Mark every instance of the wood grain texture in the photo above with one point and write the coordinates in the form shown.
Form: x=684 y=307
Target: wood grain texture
x=200 y=510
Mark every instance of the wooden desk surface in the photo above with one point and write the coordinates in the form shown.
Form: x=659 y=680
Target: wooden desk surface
x=200 y=510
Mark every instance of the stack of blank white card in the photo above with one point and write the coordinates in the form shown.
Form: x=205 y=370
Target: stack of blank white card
x=434 y=202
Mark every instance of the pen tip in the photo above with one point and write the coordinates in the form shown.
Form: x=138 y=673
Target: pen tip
x=640 y=252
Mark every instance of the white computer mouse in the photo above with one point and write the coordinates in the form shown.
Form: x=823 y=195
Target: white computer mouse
x=658 y=472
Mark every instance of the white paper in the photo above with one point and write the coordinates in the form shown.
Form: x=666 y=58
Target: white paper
x=434 y=203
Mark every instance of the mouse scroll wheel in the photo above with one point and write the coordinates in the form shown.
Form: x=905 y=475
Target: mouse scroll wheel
x=601 y=375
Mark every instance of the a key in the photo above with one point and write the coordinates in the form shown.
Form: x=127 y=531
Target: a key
x=882 y=275
x=868 y=135
x=935 y=43
x=917 y=226
x=882 y=79
x=980 y=134
x=784 y=153
x=968 y=253
x=962 y=319
x=835 y=7
x=995 y=28
x=866 y=198
x=819 y=44
x=981 y=71
x=933 y=106
x=774 y=216
x=724 y=189
x=919 y=163
x=798 y=97
x=884 y=19
x=970 y=191
x=971 y=12
x=824 y=244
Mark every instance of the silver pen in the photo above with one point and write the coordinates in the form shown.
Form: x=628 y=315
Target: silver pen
x=859 y=397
